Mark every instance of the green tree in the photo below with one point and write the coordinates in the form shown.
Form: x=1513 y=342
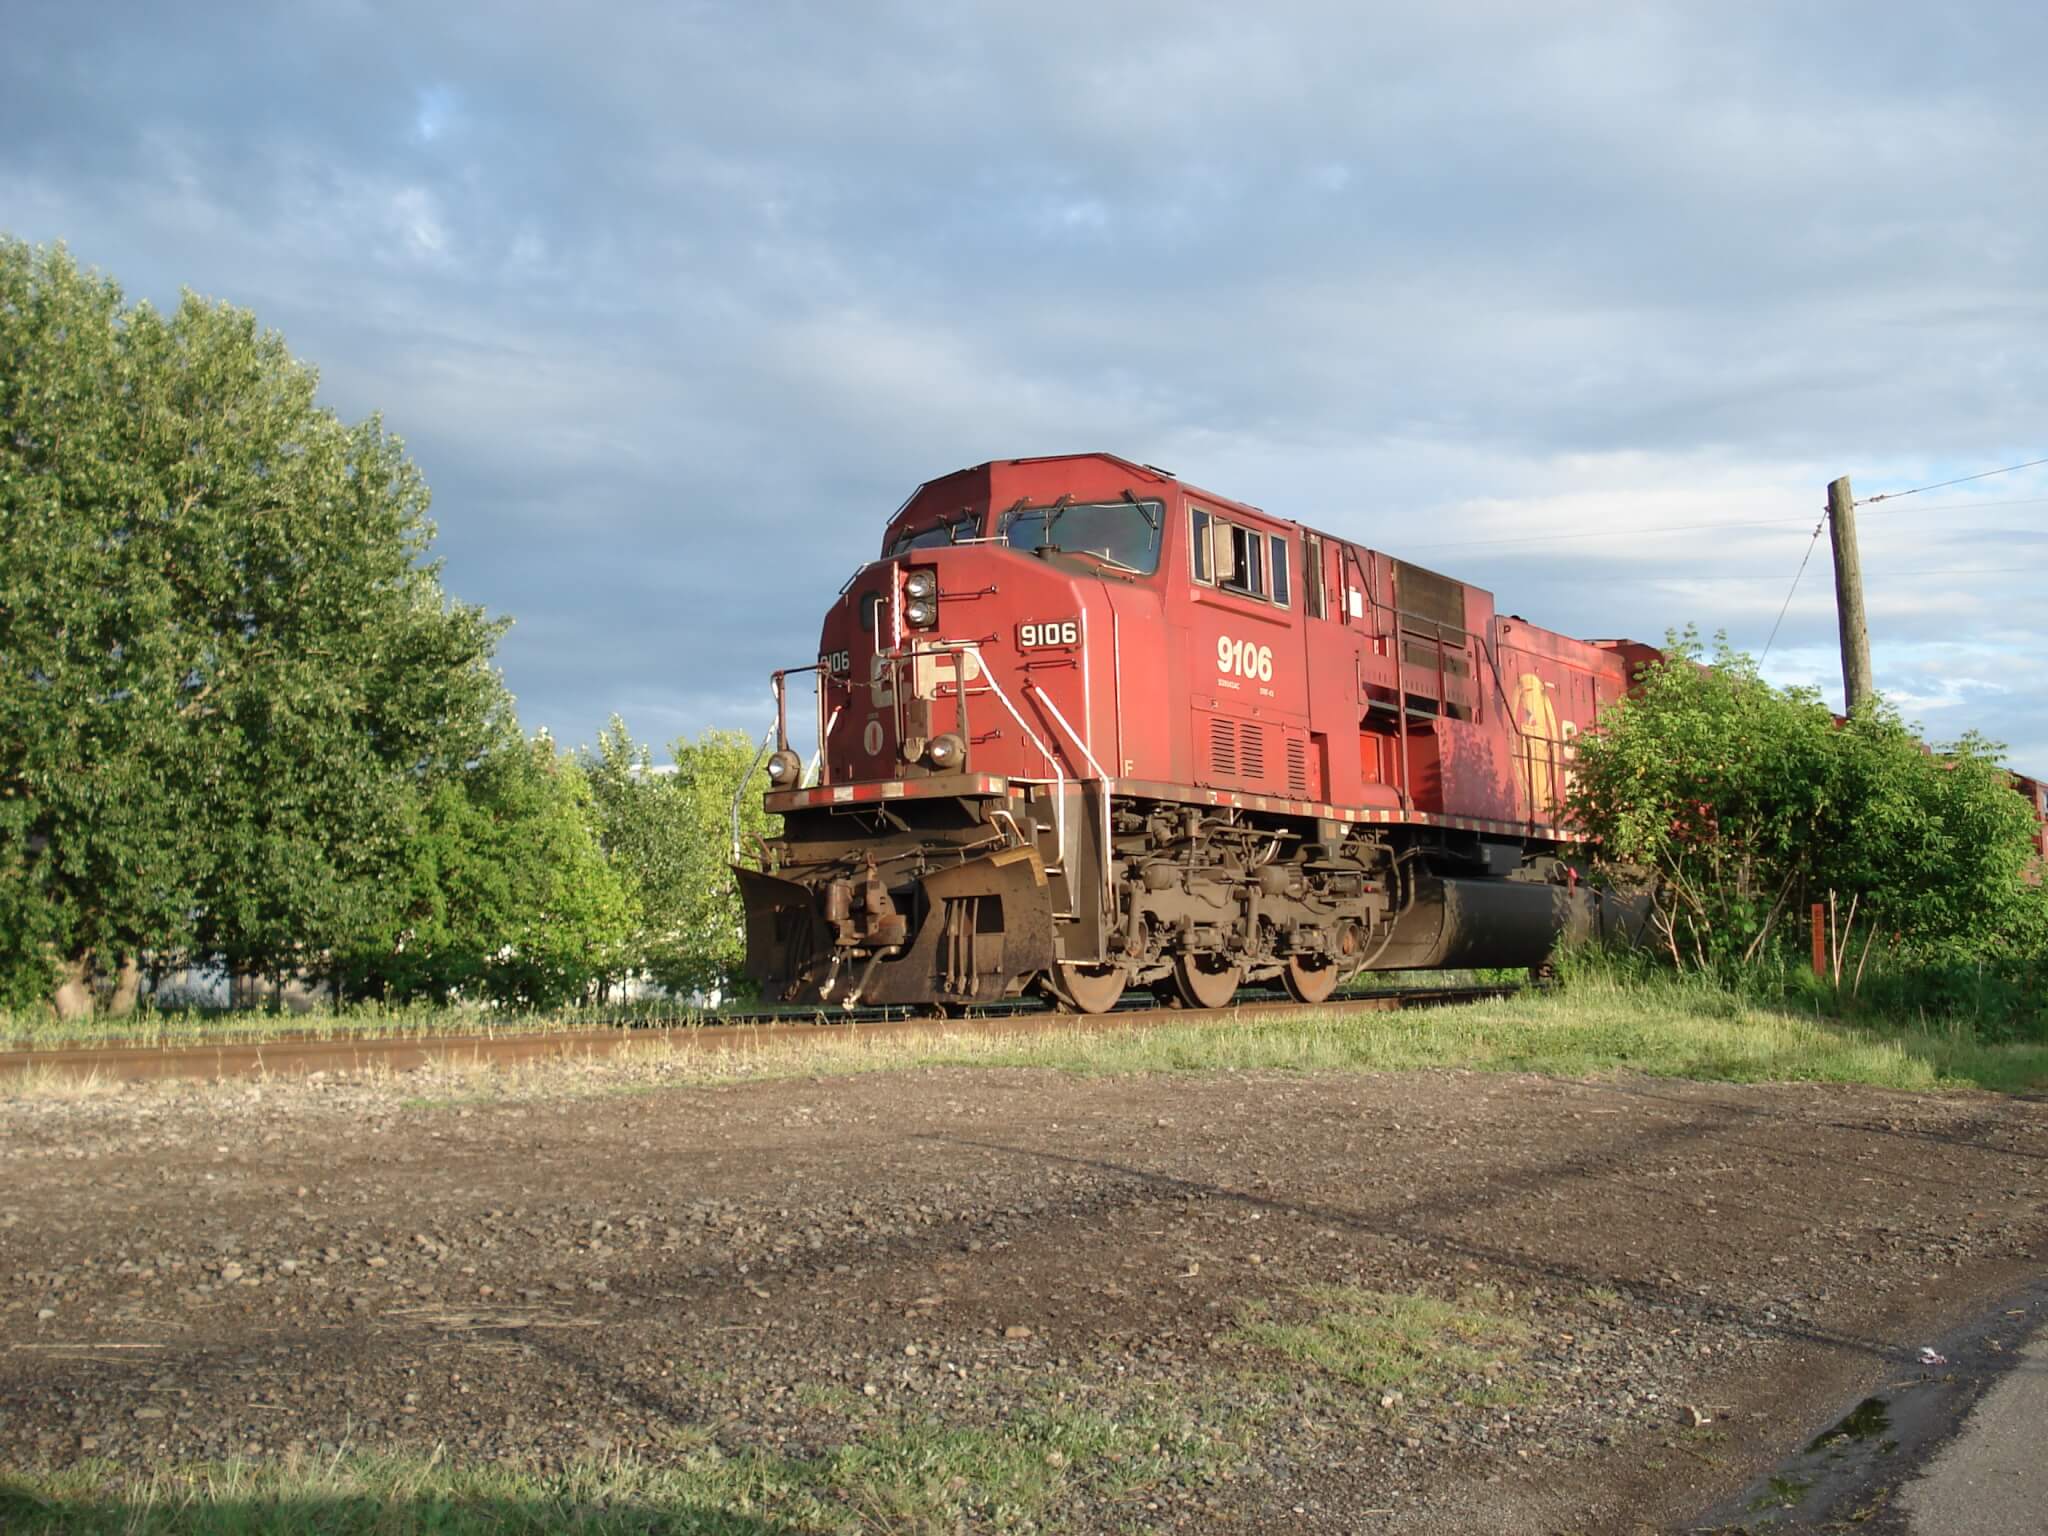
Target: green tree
x=1745 y=802
x=669 y=834
x=227 y=672
x=503 y=891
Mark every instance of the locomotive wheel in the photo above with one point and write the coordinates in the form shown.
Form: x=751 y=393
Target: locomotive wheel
x=1087 y=988
x=1205 y=981
x=1310 y=980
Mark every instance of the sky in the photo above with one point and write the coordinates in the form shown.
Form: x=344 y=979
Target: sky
x=673 y=304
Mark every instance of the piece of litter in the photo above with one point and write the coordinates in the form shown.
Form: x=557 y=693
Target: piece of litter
x=1929 y=1357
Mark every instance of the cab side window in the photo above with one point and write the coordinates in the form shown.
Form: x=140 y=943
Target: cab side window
x=1247 y=572
x=1234 y=558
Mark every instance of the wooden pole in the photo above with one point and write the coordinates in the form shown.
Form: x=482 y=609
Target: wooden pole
x=1856 y=680
x=1820 y=939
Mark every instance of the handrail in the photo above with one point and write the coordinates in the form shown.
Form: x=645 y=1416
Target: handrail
x=1059 y=804
x=1100 y=777
x=782 y=701
x=752 y=768
x=824 y=735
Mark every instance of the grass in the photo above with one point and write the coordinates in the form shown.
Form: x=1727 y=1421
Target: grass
x=1464 y=1352
x=40 y=1029
x=920 y=1477
x=1597 y=1025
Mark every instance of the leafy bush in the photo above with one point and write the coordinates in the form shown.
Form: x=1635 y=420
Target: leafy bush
x=669 y=834
x=502 y=891
x=1744 y=803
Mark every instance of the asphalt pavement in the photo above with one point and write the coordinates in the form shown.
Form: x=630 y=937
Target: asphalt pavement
x=1951 y=1441
x=1992 y=1478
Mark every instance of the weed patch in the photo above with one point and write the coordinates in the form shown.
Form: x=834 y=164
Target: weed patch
x=1418 y=1346
x=923 y=1476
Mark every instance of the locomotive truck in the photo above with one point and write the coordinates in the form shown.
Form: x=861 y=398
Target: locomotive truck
x=1083 y=727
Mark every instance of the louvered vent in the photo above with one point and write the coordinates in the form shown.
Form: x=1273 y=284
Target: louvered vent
x=1222 y=747
x=1252 y=749
x=1297 y=768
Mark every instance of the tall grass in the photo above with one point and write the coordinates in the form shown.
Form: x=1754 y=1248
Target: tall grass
x=39 y=1028
x=1594 y=1024
x=1597 y=1025
x=2001 y=1000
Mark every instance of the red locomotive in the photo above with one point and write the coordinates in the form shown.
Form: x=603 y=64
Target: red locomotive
x=2036 y=791
x=1083 y=727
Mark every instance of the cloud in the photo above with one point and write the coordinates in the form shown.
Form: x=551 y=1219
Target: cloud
x=675 y=304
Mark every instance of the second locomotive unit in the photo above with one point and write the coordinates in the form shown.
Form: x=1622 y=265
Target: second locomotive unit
x=1084 y=727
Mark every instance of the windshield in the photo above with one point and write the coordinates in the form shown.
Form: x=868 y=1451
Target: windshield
x=1123 y=533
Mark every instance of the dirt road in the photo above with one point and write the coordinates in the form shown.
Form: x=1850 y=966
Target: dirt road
x=1643 y=1291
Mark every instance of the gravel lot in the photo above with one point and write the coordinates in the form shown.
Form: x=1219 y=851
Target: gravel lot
x=1699 y=1276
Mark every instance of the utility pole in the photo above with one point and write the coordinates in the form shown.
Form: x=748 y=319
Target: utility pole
x=1856 y=682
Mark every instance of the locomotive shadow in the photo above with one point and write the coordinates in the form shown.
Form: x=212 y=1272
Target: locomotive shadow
x=1968 y=1139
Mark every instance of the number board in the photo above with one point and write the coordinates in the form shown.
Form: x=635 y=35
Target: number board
x=1050 y=632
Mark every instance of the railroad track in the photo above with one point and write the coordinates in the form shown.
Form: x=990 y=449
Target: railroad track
x=749 y=1031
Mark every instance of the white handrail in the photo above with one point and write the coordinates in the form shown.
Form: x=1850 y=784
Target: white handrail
x=818 y=757
x=1054 y=710
x=1059 y=804
x=1100 y=777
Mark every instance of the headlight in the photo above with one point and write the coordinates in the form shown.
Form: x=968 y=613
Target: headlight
x=921 y=583
x=784 y=769
x=946 y=752
x=921 y=613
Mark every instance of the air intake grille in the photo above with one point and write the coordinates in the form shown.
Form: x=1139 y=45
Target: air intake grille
x=1297 y=768
x=1237 y=752
x=1223 y=747
x=1252 y=748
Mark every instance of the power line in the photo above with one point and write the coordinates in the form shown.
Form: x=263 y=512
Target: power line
x=1870 y=501
x=1811 y=545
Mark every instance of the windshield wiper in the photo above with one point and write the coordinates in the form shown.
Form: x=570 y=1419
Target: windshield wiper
x=1054 y=513
x=1109 y=560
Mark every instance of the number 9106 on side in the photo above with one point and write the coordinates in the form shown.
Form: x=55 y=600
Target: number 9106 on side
x=1242 y=658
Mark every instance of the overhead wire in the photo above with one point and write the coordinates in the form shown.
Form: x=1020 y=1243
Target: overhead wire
x=1871 y=501
x=1811 y=545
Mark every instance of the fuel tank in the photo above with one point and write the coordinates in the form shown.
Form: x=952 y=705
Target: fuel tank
x=1462 y=922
